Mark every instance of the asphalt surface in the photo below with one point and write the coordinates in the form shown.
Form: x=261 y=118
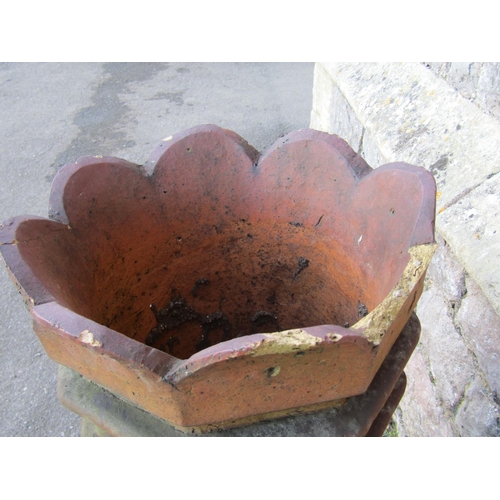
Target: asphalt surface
x=51 y=114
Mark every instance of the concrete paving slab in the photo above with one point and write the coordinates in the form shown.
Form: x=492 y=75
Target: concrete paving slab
x=51 y=114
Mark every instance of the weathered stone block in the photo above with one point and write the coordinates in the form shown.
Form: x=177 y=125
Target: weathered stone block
x=481 y=326
x=477 y=81
x=477 y=415
x=488 y=88
x=421 y=414
x=450 y=362
x=463 y=76
x=333 y=113
x=447 y=274
x=322 y=100
x=477 y=243
x=370 y=151
x=339 y=117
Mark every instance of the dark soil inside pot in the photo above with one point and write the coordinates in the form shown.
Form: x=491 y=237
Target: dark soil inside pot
x=182 y=287
x=206 y=285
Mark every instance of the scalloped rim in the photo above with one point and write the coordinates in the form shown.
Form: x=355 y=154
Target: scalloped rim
x=371 y=327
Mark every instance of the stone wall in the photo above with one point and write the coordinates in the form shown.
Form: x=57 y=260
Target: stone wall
x=446 y=118
x=477 y=81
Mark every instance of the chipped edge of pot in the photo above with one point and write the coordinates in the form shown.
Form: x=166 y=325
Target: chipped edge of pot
x=376 y=323
x=371 y=329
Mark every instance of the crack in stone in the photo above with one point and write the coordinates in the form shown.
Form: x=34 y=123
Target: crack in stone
x=459 y=196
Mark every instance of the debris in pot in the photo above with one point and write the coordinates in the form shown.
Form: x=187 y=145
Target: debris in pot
x=175 y=314
x=302 y=264
x=261 y=318
x=362 y=310
x=200 y=282
x=214 y=321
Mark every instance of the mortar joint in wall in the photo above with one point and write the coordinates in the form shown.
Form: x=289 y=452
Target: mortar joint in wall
x=456 y=406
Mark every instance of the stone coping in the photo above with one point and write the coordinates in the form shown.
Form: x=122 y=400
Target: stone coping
x=413 y=116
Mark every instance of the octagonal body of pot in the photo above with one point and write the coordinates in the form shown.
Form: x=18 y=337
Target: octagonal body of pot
x=213 y=284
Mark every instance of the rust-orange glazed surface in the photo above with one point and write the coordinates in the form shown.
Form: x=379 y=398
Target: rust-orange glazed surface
x=214 y=285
